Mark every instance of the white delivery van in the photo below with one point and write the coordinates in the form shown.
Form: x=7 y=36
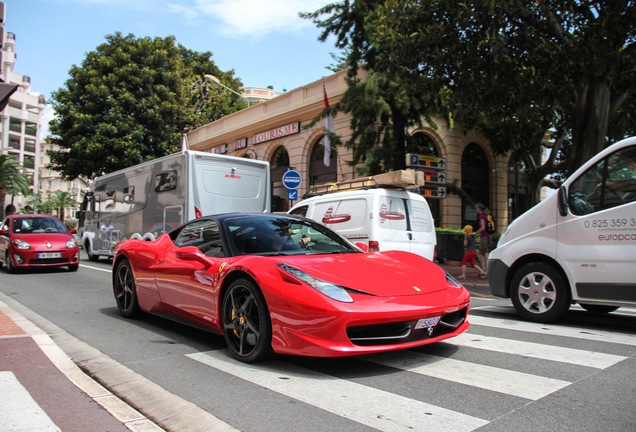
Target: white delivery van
x=577 y=246
x=381 y=216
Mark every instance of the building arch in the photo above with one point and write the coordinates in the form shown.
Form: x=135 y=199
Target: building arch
x=424 y=142
x=318 y=172
x=475 y=175
x=279 y=163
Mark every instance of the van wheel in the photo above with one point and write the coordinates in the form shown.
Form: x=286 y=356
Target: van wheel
x=539 y=293
x=599 y=309
x=87 y=248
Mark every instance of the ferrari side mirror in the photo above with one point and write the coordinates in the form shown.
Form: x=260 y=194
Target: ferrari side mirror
x=191 y=253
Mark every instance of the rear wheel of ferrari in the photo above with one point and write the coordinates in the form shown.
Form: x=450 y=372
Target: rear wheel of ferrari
x=125 y=290
x=246 y=323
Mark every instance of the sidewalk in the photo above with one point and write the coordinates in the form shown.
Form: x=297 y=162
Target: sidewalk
x=41 y=389
x=473 y=283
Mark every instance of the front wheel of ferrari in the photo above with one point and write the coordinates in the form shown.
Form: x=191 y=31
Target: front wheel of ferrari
x=125 y=290
x=246 y=323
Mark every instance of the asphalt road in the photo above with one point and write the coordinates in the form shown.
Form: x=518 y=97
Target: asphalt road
x=503 y=374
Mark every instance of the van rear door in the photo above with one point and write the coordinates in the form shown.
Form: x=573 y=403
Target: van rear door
x=228 y=184
x=405 y=223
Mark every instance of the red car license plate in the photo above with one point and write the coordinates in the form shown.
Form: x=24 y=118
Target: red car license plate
x=50 y=255
x=427 y=322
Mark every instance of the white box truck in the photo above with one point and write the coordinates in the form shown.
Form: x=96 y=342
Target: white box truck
x=148 y=199
x=577 y=246
x=379 y=212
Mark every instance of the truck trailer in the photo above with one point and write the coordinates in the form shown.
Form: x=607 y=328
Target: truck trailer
x=146 y=200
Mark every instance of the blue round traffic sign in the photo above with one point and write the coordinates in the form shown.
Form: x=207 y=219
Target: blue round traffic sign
x=291 y=179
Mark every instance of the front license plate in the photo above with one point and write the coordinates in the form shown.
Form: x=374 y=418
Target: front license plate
x=427 y=322
x=50 y=255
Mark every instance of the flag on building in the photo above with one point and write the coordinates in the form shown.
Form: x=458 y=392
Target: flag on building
x=328 y=126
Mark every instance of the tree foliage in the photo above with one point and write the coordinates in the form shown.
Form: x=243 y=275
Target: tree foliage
x=511 y=69
x=131 y=101
x=12 y=180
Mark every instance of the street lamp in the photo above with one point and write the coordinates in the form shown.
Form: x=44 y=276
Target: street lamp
x=215 y=80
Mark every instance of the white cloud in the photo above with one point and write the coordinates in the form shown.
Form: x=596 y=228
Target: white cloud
x=47 y=115
x=257 y=18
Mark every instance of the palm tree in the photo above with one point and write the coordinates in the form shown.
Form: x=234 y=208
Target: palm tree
x=61 y=200
x=11 y=178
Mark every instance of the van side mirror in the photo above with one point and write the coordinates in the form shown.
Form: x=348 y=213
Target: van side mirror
x=562 y=201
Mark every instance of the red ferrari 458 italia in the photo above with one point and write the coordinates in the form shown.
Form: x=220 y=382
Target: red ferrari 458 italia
x=284 y=284
x=28 y=240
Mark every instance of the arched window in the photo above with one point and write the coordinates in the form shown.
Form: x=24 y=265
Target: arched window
x=318 y=171
x=422 y=144
x=279 y=163
x=475 y=182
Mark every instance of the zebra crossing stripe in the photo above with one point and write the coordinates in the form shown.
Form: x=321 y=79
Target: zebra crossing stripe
x=512 y=383
x=553 y=330
x=534 y=350
x=366 y=405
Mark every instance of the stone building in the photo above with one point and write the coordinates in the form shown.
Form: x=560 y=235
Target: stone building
x=276 y=130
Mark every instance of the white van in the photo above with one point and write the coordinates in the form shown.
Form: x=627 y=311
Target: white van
x=577 y=246
x=383 y=218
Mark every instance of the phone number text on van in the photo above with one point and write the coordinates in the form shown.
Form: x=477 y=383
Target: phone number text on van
x=610 y=223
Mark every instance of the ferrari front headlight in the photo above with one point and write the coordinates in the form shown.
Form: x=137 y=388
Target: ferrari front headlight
x=333 y=291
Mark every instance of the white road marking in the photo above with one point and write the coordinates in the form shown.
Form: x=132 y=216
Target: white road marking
x=535 y=350
x=555 y=330
x=512 y=383
x=372 y=407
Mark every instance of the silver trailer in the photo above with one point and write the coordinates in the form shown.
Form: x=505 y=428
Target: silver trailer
x=154 y=197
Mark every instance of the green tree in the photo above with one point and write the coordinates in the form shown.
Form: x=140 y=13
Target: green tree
x=130 y=101
x=513 y=70
x=60 y=200
x=12 y=180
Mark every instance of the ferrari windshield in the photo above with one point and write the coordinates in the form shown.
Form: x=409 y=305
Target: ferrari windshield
x=274 y=235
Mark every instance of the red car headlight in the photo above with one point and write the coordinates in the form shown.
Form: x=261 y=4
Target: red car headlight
x=333 y=291
x=21 y=244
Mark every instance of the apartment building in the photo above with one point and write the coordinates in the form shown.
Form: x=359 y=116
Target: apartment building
x=21 y=129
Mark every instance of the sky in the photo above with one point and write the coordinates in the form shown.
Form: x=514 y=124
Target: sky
x=263 y=41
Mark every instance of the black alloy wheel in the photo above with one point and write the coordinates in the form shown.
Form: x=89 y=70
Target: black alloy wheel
x=246 y=322
x=125 y=290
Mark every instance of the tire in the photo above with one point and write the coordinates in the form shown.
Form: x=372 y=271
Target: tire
x=246 y=322
x=10 y=267
x=539 y=293
x=87 y=248
x=599 y=309
x=125 y=290
x=73 y=267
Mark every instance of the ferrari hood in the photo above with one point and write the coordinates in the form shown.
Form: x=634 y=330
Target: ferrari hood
x=381 y=274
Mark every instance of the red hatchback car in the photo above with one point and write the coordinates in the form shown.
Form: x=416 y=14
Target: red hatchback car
x=37 y=241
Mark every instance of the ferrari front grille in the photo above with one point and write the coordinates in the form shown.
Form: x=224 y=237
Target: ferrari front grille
x=396 y=333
